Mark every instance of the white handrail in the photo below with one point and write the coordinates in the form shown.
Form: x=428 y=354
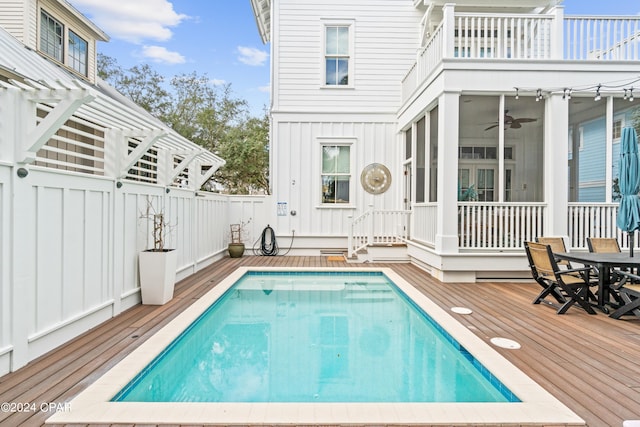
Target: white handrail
x=373 y=227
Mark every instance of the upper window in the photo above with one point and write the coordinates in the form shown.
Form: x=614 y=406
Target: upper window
x=336 y=173
x=337 y=55
x=51 y=36
x=78 y=52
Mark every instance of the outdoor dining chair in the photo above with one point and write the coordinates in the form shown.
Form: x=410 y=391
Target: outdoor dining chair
x=557 y=245
x=603 y=244
x=628 y=290
x=562 y=284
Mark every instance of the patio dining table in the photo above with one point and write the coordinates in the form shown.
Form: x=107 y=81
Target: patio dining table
x=603 y=262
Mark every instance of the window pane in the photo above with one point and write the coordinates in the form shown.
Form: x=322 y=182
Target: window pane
x=343 y=160
x=329 y=156
x=331 y=71
x=51 y=36
x=332 y=41
x=77 y=53
x=343 y=71
x=343 y=41
x=328 y=189
x=342 y=189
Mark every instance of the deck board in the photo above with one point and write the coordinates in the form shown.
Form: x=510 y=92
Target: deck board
x=590 y=363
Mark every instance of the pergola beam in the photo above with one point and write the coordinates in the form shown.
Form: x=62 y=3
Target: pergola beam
x=66 y=106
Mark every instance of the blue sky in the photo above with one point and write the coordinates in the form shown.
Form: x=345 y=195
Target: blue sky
x=220 y=39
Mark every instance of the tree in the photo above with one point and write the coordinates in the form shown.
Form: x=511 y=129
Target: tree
x=246 y=151
x=204 y=113
x=140 y=83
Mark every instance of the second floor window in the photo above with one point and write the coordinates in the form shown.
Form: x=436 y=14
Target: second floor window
x=51 y=36
x=78 y=52
x=337 y=55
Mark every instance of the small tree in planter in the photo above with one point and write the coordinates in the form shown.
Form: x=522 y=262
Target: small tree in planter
x=236 y=242
x=157 y=266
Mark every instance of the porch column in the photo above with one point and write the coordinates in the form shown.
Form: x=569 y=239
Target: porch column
x=447 y=222
x=556 y=160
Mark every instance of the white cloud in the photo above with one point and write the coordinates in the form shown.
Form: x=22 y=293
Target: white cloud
x=133 y=21
x=252 y=56
x=161 y=54
x=266 y=88
x=218 y=82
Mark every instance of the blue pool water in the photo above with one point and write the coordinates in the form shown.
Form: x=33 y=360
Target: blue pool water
x=314 y=337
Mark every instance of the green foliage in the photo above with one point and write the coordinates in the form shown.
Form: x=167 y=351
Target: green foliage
x=246 y=150
x=468 y=195
x=204 y=113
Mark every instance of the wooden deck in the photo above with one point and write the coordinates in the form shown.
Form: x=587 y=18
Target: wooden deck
x=590 y=363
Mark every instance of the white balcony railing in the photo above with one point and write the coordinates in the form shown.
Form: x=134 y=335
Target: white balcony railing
x=378 y=227
x=524 y=37
x=488 y=225
x=602 y=38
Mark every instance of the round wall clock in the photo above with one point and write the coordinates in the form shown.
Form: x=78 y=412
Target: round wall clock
x=375 y=178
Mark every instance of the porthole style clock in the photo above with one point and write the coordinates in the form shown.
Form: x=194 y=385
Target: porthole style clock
x=375 y=178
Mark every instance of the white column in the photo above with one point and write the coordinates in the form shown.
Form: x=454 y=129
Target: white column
x=556 y=161
x=447 y=222
x=608 y=189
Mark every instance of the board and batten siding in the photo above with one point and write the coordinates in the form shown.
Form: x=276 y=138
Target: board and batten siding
x=296 y=171
x=386 y=38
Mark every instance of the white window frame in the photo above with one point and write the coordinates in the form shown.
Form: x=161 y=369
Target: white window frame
x=66 y=51
x=336 y=141
x=41 y=48
x=350 y=24
x=619 y=118
x=71 y=59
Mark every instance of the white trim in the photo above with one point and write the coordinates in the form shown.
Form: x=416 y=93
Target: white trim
x=350 y=142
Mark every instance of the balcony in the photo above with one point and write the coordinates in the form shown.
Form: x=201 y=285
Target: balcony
x=523 y=37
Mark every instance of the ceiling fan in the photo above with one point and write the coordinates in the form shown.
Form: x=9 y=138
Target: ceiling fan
x=512 y=123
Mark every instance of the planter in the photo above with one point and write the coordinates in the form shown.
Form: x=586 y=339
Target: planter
x=236 y=250
x=157 y=275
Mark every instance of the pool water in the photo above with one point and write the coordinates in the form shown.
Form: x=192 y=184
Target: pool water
x=314 y=337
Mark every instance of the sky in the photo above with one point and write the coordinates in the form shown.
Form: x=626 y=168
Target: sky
x=219 y=38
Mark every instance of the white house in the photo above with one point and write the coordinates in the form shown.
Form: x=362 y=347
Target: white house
x=80 y=165
x=387 y=115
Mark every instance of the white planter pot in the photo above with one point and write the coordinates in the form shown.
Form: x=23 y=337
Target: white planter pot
x=157 y=275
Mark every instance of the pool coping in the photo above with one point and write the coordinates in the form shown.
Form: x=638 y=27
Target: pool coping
x=537 y=406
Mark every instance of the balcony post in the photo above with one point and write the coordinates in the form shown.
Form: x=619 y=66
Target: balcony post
x=448 y=30
x=447 y=209
x=556 y=158
x=557 y=33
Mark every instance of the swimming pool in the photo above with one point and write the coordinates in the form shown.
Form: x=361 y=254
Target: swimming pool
x=96 y=404
x=314 y=337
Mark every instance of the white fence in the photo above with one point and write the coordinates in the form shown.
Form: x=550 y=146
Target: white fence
x=69 y=244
